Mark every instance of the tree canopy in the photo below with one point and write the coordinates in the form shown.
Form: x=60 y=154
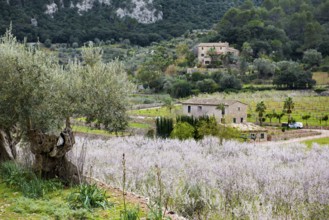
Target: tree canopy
x=38 y=93
x=38 y=97
x=279 y=29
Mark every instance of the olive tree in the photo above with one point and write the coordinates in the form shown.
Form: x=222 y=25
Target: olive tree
x=38 y=98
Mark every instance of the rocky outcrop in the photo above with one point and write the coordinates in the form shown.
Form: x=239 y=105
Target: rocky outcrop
x=141 y=10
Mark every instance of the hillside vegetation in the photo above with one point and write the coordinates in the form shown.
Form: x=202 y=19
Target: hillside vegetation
x=102 y=22
x=279 y=29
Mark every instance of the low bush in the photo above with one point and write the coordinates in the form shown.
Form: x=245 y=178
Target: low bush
x=319 y=90
x=26 y=181
x=183 y=131
x=38 y=188
x=130 y=214
x=12 y=174
x=88 y=197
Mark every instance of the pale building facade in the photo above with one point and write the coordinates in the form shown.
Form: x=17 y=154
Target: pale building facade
x=232 y=112
x=252 y=132
x=220 y=48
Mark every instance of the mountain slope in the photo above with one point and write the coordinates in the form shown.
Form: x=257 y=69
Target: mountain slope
x=140 y=21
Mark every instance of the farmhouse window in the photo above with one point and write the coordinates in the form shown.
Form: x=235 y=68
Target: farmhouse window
x=202 y=55
x=238 y=108
x=253 y=136
x=241 y=120
x=262 y=135
x=188 y=109
x=206 y=62
x=199 y=108
x=234 y=120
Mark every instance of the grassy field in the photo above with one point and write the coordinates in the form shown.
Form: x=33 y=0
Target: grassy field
x=321 y=141
x=306 y=102
x=13 y=205
x=321 y=78
x=138 y=125
x=156 y=112
x=316 y=107
x=88 y=130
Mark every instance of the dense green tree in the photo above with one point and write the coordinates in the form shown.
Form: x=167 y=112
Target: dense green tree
x=265 y=68
x=312 y=58
x=229 y=81
x=181 y=88
x=207 y=86
x=290 y=75
x=279 y=29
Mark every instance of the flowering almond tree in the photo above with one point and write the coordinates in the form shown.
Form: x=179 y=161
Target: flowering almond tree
x=38 y=97
x=205 y=180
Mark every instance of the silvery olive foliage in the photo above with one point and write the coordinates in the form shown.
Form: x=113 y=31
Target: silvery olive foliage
x=36 y=92
x=205 y=180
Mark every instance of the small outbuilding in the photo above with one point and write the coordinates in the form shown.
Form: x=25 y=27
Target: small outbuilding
x=252 y=131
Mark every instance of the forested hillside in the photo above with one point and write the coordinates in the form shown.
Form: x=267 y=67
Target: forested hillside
x=65 y=21
x=279 y=29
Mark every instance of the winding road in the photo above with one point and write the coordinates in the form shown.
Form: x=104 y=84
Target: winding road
x=324 y=133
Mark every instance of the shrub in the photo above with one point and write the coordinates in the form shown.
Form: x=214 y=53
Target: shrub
x=148 y=101
x=12 y=174
x=26 y=181
x=150 y=133
x=33 y=188
x=319 y=90
x=182 y=131
x=194 y=205
x=38 y=188
x=88 y=197
x=207 y=128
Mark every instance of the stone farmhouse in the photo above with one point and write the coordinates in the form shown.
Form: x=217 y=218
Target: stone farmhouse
x=220 y=48
x=228 y=111
x=231 y=112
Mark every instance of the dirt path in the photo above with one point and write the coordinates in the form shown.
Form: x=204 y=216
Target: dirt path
x=324 y=133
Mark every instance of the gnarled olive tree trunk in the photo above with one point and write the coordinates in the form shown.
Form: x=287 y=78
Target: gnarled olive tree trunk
x=50 y=154
x=7 y=146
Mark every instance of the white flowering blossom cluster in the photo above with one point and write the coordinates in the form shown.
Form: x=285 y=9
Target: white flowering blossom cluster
x=211 y=181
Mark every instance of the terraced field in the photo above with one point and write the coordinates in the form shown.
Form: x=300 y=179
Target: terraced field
x=321 y=78
x=306 y=103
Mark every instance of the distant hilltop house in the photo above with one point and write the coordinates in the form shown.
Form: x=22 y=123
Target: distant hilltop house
x=228 y=111
x=220 y=48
